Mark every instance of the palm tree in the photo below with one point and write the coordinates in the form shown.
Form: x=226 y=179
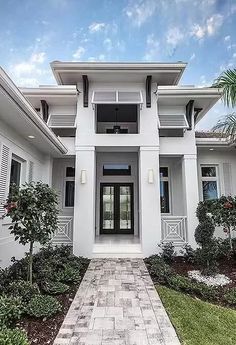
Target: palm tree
x=227 y=125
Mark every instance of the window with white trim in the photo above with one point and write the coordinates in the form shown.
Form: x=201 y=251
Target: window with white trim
x=15 y=174
x=164 y=190
x=69 y=187
x=209 y=182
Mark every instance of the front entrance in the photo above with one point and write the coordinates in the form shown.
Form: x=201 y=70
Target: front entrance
x=116 y=208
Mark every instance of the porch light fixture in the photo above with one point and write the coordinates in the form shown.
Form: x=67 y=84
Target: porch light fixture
x=211 y=149
x=83 y=176
x=150 y=176
x=31 y=136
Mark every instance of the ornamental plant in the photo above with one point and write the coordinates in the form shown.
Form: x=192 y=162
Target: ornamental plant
x=33 y=211
x=223 y=213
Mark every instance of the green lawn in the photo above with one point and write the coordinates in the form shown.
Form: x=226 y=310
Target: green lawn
x=198 y=322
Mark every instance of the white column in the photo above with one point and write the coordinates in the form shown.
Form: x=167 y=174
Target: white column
x=84 y=210
x=191 y=195
x=149 y=204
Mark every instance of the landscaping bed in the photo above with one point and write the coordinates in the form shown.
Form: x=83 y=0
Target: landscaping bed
x=38 y=309
x=175 y=272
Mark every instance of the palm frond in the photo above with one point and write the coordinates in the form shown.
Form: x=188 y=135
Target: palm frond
x=227 y=82
x=227 y=127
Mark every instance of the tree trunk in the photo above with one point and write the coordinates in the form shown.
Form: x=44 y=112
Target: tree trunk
x=31 y=262
x=230 y=238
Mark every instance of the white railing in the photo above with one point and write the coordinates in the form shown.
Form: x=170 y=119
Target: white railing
x=174 y=229
x=64 y=232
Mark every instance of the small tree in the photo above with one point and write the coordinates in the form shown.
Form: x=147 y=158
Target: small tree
x=223 y=212
x=33 y=210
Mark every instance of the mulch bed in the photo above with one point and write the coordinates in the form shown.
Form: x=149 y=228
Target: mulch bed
x=226 y=267
x=44 y=332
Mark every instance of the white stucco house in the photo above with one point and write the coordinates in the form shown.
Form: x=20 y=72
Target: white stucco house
x=118 y=143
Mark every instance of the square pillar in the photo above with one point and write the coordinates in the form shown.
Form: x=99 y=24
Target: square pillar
x=149 y=203
x=84 y=209
x=191 y=194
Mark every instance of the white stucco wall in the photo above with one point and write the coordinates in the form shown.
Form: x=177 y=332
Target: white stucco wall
x=42 y=170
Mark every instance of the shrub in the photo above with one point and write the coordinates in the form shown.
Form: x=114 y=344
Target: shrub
x=54 y=288
x=207 y=255
x=230 y=296
x=180 y=283
x=168 y=251
x=13 y=337
x=160 y=270
x=23 y=289
x=188 y=254
x=43 y=306
x=11 y=309
x=68 y=275
x=224 y=249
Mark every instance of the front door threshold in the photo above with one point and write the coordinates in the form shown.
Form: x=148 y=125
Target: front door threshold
x=116 y=250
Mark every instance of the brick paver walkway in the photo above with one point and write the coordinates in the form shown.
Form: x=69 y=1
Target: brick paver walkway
x=117 y=304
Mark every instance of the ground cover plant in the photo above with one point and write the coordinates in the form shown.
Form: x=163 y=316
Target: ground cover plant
x=33 y=313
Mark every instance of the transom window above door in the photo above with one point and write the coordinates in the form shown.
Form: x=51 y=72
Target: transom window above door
x=122 y=97
x=116 y=169
x=209 y=182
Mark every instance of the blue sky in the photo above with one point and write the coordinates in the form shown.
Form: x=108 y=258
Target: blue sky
x=201 y=32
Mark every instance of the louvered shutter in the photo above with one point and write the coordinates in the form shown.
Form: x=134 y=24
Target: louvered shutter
x=227 y=179
x=31 y=171
x=121 y=97
x=4 y=171
x=173 y=121
x=61 y=120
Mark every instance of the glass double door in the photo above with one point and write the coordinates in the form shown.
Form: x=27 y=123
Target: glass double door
x=116 y=208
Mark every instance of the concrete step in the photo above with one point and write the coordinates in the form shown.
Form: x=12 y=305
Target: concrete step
x=117 y=250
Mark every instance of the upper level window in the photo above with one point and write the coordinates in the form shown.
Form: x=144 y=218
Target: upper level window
x=15 y=172
x=117 y=118
x=209 y=182
x=69 y=187
x=164 y=190
x=116 y=169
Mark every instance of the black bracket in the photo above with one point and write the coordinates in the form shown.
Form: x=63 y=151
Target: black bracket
x=45 y=112
x=189 y=111
x=85 y=90
x=148 y=91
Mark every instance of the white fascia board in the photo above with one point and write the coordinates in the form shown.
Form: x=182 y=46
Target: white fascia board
x=18 y=98
x=168 y=91
x=209 y=142
x=88 y=67
x=59 y=90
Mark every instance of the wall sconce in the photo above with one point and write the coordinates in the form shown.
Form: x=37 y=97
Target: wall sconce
x=150 y=176
x=83 y=176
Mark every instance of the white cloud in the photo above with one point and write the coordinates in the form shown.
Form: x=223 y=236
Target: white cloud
x=38 y=57
x=140 y=11
x=174 y=36
x=198 y=31
x=192 y=57
x=152 y=48
x=234 y=55
x=108 y=44
x=79 y=53
x=209 y=28
x=21 y=72
x=227 y=38
x=96 y=27
x=214 y=23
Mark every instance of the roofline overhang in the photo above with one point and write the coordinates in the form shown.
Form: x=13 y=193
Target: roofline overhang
x=69 y=91
x=135 y=67
x=16 y=96
x=214 y=142
x=191 y=92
